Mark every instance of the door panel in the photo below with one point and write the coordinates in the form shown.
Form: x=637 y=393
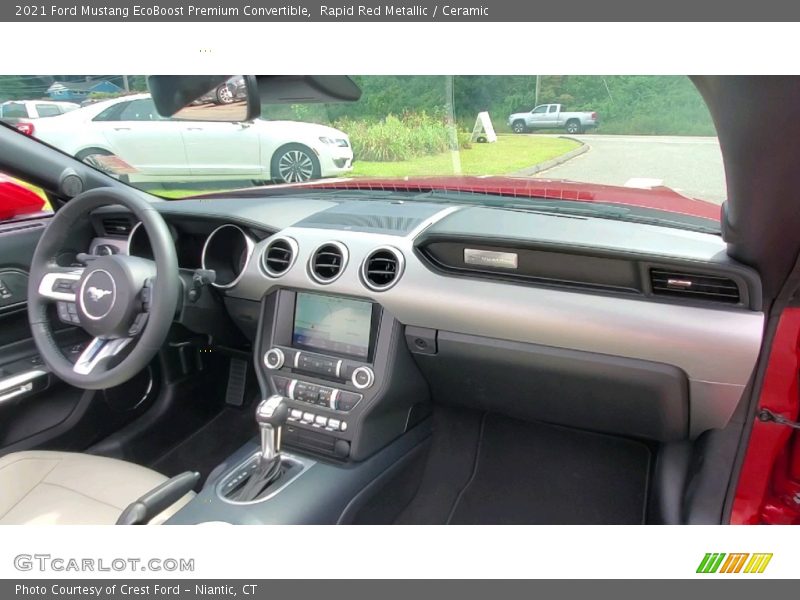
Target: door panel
x=37 y=410
x=222 y=148
x=31 y=400
x=538 y=117
x=145 y=140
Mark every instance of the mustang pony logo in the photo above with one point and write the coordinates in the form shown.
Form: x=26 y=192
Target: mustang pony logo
x=97 y=293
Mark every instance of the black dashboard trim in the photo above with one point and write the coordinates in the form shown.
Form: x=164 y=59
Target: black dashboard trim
x=747 y=279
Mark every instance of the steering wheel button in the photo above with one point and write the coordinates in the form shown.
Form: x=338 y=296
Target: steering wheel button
x=63 y=311
x=138 y=324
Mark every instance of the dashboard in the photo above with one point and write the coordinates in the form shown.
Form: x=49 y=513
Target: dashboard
x=553 y=294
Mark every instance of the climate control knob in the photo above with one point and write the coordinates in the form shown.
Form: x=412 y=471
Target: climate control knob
x=273 y=358
x=363 y=377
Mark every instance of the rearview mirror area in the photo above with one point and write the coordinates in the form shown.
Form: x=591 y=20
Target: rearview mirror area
x=206 y=97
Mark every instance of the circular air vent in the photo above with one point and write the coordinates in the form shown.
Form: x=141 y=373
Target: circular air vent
x=382 y=268
x=328 y=262
x=279 y=256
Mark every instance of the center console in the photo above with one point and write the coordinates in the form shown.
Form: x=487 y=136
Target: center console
x=342 y=365
x=343 y=409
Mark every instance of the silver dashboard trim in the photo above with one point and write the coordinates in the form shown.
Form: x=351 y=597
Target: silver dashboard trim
x=130 y=236
x=250 y=246
x=97 y=350
x=49 y=279
x=19 y=384
x=716 y=347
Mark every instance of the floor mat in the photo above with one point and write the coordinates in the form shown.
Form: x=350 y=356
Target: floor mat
x=529 y=473
x=210 y=445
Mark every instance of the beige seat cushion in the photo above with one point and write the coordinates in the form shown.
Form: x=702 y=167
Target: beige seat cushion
x=49 y=488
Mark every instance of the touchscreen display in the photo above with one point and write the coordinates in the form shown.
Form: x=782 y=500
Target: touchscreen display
x=329 y=323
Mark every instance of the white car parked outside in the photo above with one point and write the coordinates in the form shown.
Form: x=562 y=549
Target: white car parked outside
x=127 y=135
x=22 y=113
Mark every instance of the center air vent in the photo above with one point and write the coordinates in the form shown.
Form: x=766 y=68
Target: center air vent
x=382 y=268
x=328 y=262
x=694 y=286
x=279 y=256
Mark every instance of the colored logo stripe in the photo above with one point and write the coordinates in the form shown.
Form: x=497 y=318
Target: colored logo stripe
x=758 y=563
x=710 y=562
x=713 y=562
x=734 y=563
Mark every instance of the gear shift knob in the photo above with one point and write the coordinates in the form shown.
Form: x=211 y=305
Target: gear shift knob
x=271 y=414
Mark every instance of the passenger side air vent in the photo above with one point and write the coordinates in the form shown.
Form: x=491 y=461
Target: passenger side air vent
x=118 y=226
x=694 y=286
x=382 y=268
x=328 y=262
x=279 y=256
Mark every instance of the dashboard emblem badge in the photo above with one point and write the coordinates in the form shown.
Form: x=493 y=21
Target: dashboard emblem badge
x=490 y=258
x=97 y=293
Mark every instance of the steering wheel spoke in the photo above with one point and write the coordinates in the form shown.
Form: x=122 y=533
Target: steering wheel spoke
x=59 y=284
x=97 y=351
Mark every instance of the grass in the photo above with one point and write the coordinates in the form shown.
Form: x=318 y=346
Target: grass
x=509 y=154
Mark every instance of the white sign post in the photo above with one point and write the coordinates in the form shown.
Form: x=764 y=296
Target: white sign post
x=483 y=131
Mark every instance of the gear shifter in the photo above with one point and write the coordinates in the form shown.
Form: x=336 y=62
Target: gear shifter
x=271 y=414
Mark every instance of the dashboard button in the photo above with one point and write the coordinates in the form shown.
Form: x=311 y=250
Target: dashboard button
x=296 y=414
x=281 y=385
x=308 y=417
x=306 y=392
x=273 y=358
x=347 y=400
x=363 y=377
x=321 y=421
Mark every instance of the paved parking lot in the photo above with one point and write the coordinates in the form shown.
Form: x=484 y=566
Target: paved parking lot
x=690 y=165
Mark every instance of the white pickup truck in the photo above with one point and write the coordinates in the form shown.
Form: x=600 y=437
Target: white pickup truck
x=550 y=116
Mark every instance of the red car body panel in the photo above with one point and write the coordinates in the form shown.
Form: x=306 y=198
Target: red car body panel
x=16 y=199
x=768 y=490
x=659 y=198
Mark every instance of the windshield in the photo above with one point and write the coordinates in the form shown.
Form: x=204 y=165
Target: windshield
x=645 y=143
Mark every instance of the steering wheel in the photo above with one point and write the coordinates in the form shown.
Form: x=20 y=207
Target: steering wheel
x=125 y=302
